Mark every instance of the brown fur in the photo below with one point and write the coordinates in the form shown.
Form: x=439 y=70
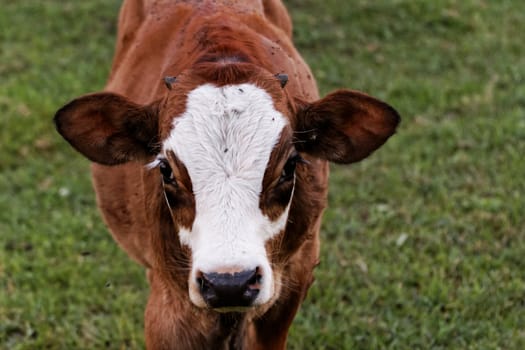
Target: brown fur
x=275 y=196
x=139 y=78
x=220 y=42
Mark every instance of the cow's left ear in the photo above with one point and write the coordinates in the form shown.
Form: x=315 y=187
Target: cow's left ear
x=344 y=127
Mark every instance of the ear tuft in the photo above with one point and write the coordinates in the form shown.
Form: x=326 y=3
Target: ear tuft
x=345 y=126
x=108 y=128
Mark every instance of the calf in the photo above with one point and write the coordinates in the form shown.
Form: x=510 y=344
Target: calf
x=210 y=150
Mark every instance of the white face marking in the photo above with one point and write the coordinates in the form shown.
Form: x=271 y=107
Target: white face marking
x=225 y=138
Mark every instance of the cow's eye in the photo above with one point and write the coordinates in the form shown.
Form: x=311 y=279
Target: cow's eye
x=289 y=168
x=166 y=172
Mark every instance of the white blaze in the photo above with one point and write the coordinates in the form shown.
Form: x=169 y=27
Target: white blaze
x=225 y=138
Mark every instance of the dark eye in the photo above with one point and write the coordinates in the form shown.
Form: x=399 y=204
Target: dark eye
x=289 y=168
x=166 y=172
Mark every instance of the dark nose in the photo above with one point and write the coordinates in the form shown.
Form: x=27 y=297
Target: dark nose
x=229 y=289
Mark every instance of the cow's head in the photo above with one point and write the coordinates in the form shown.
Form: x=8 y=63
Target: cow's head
x=226 y=141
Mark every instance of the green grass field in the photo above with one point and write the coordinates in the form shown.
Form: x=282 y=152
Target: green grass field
x=423 y=243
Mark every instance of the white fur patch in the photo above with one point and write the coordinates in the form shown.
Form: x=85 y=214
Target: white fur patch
x=225 y=138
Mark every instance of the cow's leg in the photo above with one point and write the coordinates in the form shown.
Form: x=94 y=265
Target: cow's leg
x=271 y=330
x=172 y=322
x=168 y=323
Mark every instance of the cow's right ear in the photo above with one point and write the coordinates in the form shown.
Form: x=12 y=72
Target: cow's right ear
x=109 y=129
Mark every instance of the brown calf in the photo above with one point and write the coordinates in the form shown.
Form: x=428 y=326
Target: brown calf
x=216 y=180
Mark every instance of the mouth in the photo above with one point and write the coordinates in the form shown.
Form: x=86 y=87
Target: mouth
x=235 y=309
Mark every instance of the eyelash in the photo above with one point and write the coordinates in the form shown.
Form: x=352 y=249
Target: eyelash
x=288 y=171
x=166 y=172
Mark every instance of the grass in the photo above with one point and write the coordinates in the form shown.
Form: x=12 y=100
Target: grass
x=423 y=243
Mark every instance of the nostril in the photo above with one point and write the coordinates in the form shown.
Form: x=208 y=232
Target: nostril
x=255 y=280
x=202 y=282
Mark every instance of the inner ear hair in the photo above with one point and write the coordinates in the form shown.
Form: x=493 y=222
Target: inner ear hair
x=109 y=129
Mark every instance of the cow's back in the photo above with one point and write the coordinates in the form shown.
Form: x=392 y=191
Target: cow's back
x=163 y=37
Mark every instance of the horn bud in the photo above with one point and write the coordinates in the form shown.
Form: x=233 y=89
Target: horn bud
x=283 y=79
x=168 y=81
